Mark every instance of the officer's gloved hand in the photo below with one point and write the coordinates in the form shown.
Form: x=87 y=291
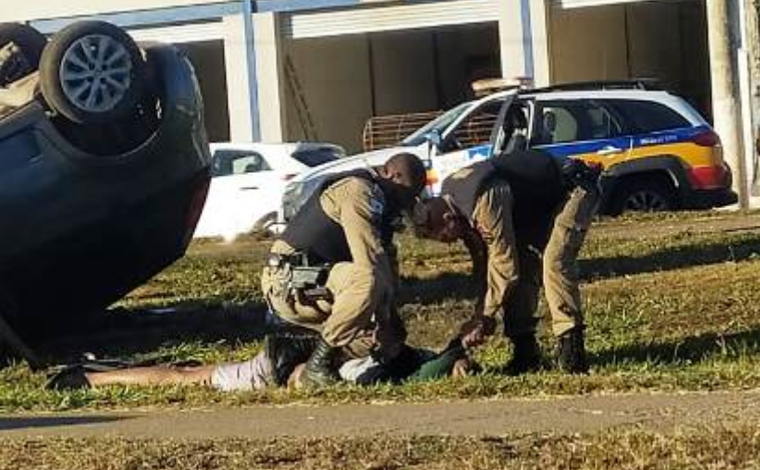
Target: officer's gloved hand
x=580 y=173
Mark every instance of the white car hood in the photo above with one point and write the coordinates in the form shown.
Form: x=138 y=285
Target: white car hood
x=362 y=160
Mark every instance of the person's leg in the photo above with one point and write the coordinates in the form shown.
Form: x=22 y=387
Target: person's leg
x=521 y=314
x=561 y=277
x=357 y=293
x=158 y=375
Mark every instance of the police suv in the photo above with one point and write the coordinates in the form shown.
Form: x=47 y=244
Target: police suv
x=657 y=151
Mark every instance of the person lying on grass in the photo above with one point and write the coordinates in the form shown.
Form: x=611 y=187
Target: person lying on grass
x=278 y=364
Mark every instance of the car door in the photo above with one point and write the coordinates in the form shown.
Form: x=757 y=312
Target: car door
x=465 y=143
x=585 y=129
x=239 y=193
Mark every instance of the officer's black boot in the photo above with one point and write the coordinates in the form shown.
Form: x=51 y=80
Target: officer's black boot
x=286 y=351
x=527 y=355
x=321 y=369
x=572 y=352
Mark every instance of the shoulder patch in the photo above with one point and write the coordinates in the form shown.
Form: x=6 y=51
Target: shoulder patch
x=376 y=206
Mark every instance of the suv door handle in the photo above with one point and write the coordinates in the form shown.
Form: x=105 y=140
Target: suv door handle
x=249 y=188
x=609 y=150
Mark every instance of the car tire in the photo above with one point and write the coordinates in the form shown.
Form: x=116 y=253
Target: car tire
x=31 y=43
x=644 y=195
x=92 y=72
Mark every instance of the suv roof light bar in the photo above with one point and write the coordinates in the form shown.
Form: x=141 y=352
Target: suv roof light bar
x=650 y=84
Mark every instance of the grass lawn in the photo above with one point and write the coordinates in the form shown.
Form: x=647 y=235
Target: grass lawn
x=670 y=306
x=723 y=448
x=671 y=302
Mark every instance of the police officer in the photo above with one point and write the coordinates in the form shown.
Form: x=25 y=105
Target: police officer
x=346 y=228
x=511 y=212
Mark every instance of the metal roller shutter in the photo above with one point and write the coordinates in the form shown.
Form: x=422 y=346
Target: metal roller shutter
x=591 y=3
x=179 y=34
x=389 y=18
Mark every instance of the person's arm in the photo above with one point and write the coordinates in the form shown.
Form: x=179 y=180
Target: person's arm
x=358 y=206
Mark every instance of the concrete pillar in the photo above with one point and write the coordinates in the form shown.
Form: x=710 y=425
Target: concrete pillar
x=239 y=89
x=725 y=91
x=270 y=75
x=524 y=41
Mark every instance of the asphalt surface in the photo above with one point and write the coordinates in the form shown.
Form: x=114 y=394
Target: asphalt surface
x=478 y=418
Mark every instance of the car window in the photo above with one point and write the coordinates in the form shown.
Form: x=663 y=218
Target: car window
x=316 y=157
x=233 y=162
x=574 y=121
x=648 y=116
x=475 y=129
x=439 y=124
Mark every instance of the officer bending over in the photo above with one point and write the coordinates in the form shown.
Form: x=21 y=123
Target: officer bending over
x=512 y=211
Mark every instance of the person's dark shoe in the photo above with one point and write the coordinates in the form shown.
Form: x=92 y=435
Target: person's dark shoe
x=69 y=378
x=572 y=352
x=286 y=351
x=527 y=356
x=321 y=369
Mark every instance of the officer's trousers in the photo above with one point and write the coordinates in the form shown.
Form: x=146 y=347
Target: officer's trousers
x=549 y=256
x=358 y=317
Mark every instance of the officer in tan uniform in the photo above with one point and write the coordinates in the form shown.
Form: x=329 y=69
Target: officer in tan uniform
x=512 y=211
x=333 y=269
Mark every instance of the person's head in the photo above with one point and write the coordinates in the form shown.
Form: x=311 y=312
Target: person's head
x=403 y=178
x=438 y=219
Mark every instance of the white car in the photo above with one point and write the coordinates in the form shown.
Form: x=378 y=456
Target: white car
x=248 y=180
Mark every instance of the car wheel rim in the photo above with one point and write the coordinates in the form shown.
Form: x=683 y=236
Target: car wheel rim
x=96 y=72
x=646 y=201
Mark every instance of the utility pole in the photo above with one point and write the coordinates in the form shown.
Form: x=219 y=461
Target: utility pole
x=725 y=90
x=752 y=45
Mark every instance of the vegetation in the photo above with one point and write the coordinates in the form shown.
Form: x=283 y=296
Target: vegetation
x=671 y=305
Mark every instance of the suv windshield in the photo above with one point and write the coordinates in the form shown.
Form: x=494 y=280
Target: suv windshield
x=440 y=124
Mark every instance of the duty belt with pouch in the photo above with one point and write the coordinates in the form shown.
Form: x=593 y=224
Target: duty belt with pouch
x=303 y=278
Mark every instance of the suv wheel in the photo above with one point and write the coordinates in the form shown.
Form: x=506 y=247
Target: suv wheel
x=92 y=72
x=643 y=195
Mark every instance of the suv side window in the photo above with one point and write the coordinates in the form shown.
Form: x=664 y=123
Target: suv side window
x=561 y=122
x=232 y=162
x=648 y=116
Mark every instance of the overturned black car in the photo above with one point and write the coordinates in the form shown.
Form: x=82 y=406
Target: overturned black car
x=104 y=169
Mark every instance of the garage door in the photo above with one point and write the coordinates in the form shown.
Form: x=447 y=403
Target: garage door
x=389 y=18
x=180 y=34
x=591 y=3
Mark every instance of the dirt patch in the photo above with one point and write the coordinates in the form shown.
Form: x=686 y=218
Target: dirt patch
x=476 y=418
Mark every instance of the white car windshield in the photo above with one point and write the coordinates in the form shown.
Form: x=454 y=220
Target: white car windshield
x=439 y=124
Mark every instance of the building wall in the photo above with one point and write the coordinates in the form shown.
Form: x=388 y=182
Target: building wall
x=588 y=44
x=404 y=77
x=334 y=74
x=208 y=60
x=384 y=73
x=665 y=41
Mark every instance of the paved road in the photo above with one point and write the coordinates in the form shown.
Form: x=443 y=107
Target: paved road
x=494 y=417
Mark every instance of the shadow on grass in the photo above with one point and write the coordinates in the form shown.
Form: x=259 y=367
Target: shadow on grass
x=18 y=423
x=445 y=286
x=123 y=332
x=690 y=349
x=670 y=259
x=460 y=286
